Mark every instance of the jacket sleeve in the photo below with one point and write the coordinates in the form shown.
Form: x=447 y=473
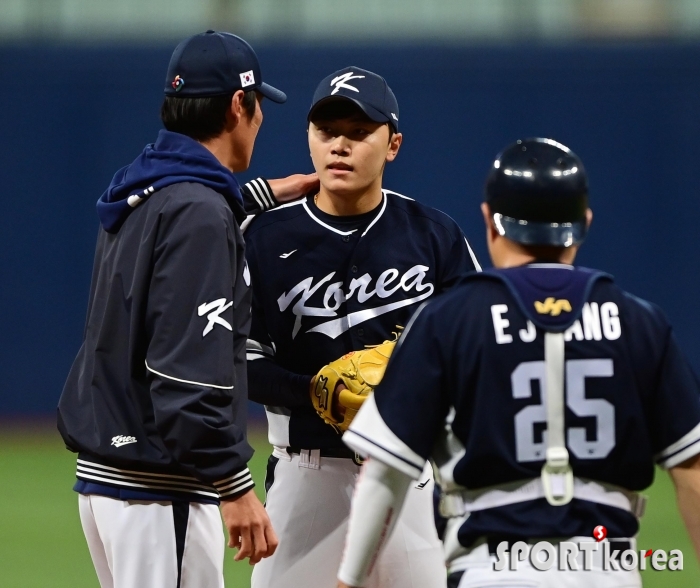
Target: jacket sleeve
x=191 y=345
x=258 y=196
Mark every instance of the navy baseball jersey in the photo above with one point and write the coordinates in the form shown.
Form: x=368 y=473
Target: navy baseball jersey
x=466 y=388
x=324 y=285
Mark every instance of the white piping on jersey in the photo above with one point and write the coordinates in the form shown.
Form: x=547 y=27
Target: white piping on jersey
x=376 y=218
x=249 y=219
x=397 y=194
x=686 y=447
x=150 y=369
x=320 y=222
x=410 y=324
x=287 y=205
x=330 y=228
x=340 y=325
x=471 y=254
x=369 y=426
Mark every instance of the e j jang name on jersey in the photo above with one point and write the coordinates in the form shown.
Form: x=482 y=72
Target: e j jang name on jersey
x=596 y=322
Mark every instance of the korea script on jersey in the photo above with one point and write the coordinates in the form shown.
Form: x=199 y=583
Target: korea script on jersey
x=387 y=284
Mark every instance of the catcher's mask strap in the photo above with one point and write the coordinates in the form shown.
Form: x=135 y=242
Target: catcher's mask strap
x=557 y=475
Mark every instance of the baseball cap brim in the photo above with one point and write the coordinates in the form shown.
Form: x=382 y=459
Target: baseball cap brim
x=371 y=112
x=538 y=233
x=272 y=93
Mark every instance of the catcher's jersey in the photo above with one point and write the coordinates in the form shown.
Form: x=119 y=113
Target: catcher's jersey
x=326 y=285
x=465 y=388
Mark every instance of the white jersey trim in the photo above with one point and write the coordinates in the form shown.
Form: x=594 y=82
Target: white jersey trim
x=235 y=484
x=476 y=263
x=376 y=218
x=287 y=205
x=87 y=470
x=261 y=194
x=150 y=369
x=397 y=194
x=320 y=222
x=249 y=219
x=685 y=448
x=254 y=192
x=370 y=436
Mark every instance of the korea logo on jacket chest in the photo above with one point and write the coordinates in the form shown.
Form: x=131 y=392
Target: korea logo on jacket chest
x=390 y=291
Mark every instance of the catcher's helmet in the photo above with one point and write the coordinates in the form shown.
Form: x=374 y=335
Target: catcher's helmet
x=537 y=191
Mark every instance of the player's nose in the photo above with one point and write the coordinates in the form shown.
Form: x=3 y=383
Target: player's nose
x=340 y=145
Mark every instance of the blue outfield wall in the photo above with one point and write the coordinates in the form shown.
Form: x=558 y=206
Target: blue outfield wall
x=69 y=117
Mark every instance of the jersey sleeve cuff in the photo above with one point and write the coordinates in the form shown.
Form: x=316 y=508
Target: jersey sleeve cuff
x=370 y=436
x=235 y=485
x=258 y=196
x=686 y=447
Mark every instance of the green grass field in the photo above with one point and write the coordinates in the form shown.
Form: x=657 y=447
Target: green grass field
x=42 y=545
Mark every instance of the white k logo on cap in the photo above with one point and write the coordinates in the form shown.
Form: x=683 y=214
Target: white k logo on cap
x=340 y=82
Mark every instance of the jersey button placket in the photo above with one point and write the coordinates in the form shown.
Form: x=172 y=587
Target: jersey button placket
x=346 y=238
x=357 y=333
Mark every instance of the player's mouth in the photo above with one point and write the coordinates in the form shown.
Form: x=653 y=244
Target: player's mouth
x=338 y=168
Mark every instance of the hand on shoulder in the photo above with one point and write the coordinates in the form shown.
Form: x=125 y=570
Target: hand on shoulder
x=294 y=187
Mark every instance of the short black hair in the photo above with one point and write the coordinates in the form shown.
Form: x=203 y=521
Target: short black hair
x=201 y=119
x=339 y=109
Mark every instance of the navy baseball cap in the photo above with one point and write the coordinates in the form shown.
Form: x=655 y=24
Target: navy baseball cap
x=366 y=89
x=214 y=64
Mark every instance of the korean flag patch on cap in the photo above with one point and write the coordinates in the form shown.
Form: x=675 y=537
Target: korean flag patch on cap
x=247 y=79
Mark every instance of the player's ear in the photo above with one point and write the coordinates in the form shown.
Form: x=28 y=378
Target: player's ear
x=394 y=146
x=589 y=218
x=236 y=110
x=490 y=228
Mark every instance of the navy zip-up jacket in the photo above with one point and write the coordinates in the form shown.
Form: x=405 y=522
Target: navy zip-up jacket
x=155 y=403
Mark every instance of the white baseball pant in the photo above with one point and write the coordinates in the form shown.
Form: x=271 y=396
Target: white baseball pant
x=140 y=544
x=309 y=508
